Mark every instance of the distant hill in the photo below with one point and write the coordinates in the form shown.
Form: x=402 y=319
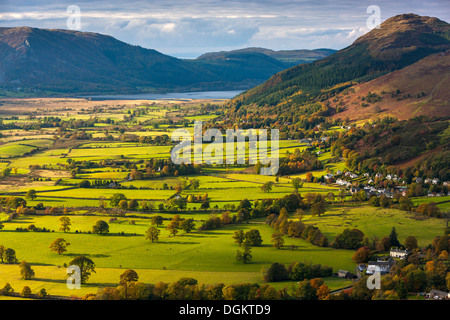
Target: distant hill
x=50 y=61
x=399 y=42
x=293 y=57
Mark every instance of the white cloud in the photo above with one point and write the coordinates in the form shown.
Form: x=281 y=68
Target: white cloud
x=186 y=26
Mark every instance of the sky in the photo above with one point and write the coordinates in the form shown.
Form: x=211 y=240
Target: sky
x=187 y=29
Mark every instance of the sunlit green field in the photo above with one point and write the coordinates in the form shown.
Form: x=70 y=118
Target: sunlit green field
x=378 y=222
x=207 y=255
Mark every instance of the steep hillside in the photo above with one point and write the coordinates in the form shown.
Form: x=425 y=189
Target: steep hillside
x=401 y=41
x=418 y=89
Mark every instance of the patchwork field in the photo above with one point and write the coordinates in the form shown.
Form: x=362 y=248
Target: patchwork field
x=106 y=149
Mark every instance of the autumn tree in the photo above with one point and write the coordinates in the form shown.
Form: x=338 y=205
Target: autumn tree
x=411 y=243
x=172 y=227
x=157 y=220
x=128 y=276
x=383 y=245
x=277 y=240
x=152 y=234
x=25 y=271
x=31 y=194
x=65 y=224
x=86 y=265
x=187 y=225
x=297 y=183
x=133 y=205
x=9 y=256
x=239 y=237
x=101 y=227
x=276 y=272
x=116 y=198
x=305 y=291
x=318 y=208
x=253 y=237
x=246 y=255
x=26 y=292
x=59 y=246
x=123 y=204
x=267 y=186
x=361 y=255
x=323 y=293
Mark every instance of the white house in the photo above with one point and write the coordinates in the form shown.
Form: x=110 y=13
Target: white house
x=397 y=253
x=418 y=179
x=435 y=181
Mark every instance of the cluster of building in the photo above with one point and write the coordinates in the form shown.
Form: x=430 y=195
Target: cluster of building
x=373 y=191
x=383 y=266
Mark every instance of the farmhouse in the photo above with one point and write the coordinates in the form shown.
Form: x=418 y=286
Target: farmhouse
x=328 y=176
x=435 y=181
x=438 y=295
x=346 y=274
x=397 y=253
x=342 y=182
x=380 y=266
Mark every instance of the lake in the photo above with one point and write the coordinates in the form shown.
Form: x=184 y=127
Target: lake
x=169 y=95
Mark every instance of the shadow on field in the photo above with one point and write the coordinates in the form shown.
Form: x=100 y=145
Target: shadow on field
x=20 y=220
x=42 y=264
x=50 y=280
x=99 y=255
x=178 y=242
x=192 y=235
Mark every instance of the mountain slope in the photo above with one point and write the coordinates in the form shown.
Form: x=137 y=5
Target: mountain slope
x=401 y=41
x=61 y=60
x=45 y=61
x=418 y=89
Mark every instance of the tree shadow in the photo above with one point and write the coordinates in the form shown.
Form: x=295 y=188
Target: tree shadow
x=177 y=242
x=50 y=280
x=87 y=255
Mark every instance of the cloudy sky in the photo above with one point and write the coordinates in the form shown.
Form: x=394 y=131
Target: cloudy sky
x=187 y=29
